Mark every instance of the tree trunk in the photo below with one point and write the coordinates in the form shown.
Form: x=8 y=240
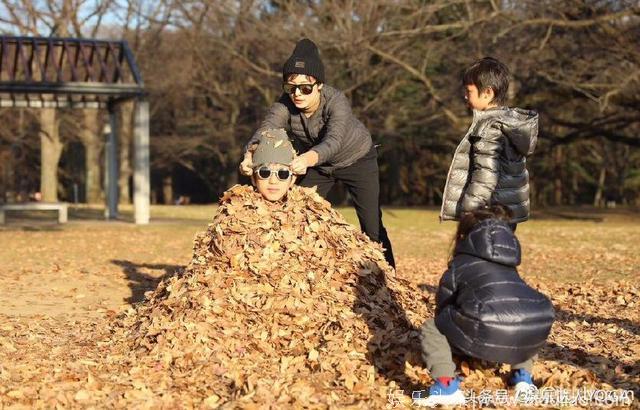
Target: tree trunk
x=431 y=195
x=167 y=189
x=597 y=199
x=575 y=189
x=5 y=166
x=557 y=185
x=90 y=136
x=51 y=149
x=231 y=166
x=533 y=193
x=232 y=178
x=623 y=173
x=126 y=138
x=392 y=191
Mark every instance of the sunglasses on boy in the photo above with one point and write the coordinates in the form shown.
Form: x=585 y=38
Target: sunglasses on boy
x=305 y=89
x=283 y=174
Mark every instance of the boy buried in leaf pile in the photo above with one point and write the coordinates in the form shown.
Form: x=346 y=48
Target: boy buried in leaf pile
x=283 y=303
x=272 y=176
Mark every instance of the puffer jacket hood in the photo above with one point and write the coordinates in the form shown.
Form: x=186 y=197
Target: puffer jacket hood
x=521 y=128
x=489 y=165
x=493 y=241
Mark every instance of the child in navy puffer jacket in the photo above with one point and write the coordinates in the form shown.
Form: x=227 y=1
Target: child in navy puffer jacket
x=484 y=308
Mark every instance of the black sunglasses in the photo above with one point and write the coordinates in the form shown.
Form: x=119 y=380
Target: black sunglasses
x=265 y=173
x=305 y=89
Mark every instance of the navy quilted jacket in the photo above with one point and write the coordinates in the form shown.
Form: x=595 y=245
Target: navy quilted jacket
x=484 y=308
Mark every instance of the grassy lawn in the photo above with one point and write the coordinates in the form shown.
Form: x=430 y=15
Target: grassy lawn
x=562 y=244
x=89 y=265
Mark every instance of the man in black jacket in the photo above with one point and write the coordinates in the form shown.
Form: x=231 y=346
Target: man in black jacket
x=483 y=308
x=333 y=145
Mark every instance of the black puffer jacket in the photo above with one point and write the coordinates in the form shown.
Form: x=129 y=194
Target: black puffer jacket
x=489 y=164
x=484 y=308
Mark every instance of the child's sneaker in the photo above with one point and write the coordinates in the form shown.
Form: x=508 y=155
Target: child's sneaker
x=523 y=384
x=445 y=391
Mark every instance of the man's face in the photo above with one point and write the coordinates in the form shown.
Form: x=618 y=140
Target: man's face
x=478 y=100
x=301 y=100
x=270 y=181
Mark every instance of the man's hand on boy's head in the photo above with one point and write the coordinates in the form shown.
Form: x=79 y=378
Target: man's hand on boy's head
x=299 y=166
x=246 y=166
x=302 y=162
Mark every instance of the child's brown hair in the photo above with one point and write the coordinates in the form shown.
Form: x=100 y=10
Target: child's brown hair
x=469 y=219
x=489 y=73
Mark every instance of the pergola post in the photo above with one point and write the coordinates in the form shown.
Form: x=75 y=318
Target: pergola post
x=81 y=82
x=141 y=177
x=111 y=166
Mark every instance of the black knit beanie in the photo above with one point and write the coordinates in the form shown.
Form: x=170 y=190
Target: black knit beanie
x=305 y=59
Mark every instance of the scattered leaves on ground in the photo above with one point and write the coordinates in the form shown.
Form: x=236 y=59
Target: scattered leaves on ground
x=290 y=306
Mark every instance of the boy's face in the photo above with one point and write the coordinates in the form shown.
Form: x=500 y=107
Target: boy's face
x=478 y=100
x=301 y=100
x=273 y=181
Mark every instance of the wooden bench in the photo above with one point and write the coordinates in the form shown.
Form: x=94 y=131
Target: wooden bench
x=61 y=207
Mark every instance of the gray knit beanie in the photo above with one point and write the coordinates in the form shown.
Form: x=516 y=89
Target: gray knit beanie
x=273 y=147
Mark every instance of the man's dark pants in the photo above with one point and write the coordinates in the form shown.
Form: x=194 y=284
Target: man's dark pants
x=362 y=181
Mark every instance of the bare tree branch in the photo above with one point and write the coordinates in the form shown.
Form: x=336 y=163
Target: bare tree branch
x=423 y=78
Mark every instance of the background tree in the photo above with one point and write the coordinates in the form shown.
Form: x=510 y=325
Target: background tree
x=212 y=68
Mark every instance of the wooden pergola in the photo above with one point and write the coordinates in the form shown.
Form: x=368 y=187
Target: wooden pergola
x=82 y=73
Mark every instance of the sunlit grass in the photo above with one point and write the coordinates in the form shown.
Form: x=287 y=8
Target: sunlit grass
x=560 y=244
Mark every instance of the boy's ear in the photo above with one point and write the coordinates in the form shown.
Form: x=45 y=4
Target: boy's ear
x=320 y=86
x=488 y=93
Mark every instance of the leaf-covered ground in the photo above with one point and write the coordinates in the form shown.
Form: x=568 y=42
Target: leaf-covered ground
x=64 y=288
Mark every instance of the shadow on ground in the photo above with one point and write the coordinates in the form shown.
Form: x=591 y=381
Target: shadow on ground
x=141 y=282
x=607 y=369
x=394 y=341
x=428 y=288
x=31 y=226
x=552 y=214
x=48 y=221
x=34 y=221
x=585 y=213
x=96 y=214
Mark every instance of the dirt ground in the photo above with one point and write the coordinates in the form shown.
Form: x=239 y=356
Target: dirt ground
x=57 y=278
x=82 y=269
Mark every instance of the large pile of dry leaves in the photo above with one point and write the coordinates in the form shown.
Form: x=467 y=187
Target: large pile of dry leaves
x=282 y=303
x=288 y=306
